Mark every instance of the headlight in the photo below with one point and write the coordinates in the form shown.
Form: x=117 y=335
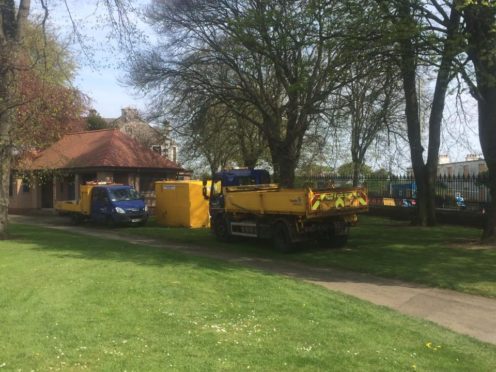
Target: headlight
x=146 y=208
x=120 y=210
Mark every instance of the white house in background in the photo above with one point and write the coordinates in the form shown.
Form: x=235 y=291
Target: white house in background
x=460 y=175
x=472 y=166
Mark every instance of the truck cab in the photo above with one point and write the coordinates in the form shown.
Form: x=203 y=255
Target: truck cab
x=234 y=177
x=110 y=204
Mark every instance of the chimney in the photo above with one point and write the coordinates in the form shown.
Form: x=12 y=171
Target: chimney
x=444 y=159
x=471 y=157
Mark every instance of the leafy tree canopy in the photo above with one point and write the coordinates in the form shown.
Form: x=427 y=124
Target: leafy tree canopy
x=347 y=169
x=95 y=122
x=48 y=106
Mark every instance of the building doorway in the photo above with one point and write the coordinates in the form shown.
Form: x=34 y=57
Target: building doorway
x=47 y=194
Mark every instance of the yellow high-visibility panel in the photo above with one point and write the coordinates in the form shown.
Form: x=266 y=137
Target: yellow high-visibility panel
x=181 y=204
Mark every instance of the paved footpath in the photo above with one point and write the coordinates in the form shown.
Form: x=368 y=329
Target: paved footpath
x=463 y=313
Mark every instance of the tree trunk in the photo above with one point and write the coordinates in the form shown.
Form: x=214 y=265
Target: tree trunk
x=5 y=151
x=408 y=71
x=489 y=231
x=426 y=173
x=450 y=50
x=285 y=155
x=284 y=163
x=487 y=134
x=12 y=27
x=356 y=173
x=480 y=21
x=6 y=89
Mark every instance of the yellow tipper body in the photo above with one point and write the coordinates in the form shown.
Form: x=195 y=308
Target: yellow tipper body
x=271 y=199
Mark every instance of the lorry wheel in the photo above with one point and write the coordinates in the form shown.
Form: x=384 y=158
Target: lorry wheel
x=221 y=229
x=333 y=241
x=338 y=241
x=282 y=239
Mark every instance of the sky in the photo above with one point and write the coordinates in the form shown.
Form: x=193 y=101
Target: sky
x=101 y=63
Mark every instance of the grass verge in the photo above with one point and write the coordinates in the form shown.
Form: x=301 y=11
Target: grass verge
x=74 y=303
x=443 y=256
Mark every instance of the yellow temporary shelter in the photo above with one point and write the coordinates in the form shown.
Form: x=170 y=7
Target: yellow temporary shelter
x=181 y=203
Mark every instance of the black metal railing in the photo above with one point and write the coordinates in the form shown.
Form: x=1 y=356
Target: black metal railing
x=472 y=189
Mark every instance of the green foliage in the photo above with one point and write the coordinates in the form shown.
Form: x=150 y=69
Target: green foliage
x=314 y=170
x=49 y=58
x=380 y=173
x=50 y=107
x=348 y=168
x=95 y=122
x=215 y=132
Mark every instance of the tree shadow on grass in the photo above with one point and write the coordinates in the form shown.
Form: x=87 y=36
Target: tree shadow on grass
x=414 y=254
x=375 y=249
x=66 y=245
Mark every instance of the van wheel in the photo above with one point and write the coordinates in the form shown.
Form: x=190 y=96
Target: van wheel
x=221 y=229
x=282 y=239
x=109 y=222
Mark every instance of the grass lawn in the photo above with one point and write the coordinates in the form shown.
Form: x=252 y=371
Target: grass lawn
x=444 y=256
x=70 y=302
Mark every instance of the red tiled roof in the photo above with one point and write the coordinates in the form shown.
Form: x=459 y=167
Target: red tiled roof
x=99 y=148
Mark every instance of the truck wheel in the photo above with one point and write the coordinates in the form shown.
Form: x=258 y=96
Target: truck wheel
x=282 y=239
x=76 y=219
x=221 y=229
x=333 y=241
x=338 y=241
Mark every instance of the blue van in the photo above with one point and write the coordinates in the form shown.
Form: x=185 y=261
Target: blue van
x=117 y=204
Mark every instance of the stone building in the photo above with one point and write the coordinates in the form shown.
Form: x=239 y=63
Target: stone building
x=472 y=166
x=159 y=140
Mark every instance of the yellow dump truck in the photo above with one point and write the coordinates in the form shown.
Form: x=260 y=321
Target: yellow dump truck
x=106 y=203
x=253 y=208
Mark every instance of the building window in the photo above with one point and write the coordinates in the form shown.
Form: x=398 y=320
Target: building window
x=465 y=171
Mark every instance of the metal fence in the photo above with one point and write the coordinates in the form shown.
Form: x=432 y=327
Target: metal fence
x=473 y=189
